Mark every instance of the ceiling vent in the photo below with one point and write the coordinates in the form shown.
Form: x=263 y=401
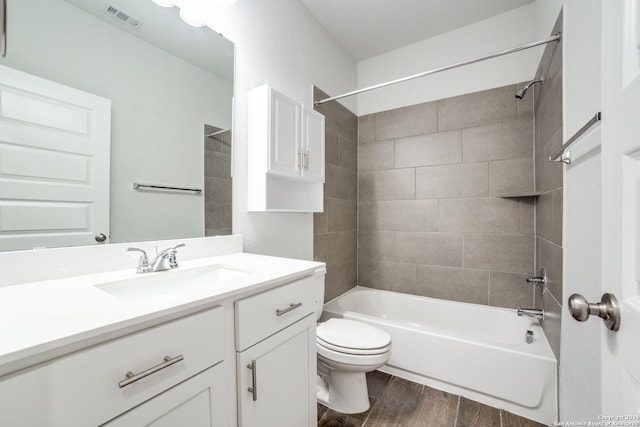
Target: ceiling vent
x=122 y=16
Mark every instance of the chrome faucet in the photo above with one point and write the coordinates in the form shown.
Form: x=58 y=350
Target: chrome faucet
x=533 y=312
x=165 y=260
x=540 y=280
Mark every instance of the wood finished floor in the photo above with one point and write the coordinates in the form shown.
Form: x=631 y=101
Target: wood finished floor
x=398 y=402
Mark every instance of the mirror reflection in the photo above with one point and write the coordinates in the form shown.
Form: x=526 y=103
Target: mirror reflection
x=122 y=92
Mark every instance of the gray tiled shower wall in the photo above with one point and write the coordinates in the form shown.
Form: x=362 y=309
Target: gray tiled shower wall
x=549 y=182
x=418 y=206
x=217 y=182
x=432 y=221
x=335 y=229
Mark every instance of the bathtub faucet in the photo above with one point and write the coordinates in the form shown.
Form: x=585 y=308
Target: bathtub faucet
x=533 y=312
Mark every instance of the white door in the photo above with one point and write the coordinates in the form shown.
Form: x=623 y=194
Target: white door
x=284 y=141
x=621 y=205
x=312 y=145
x=54 y=163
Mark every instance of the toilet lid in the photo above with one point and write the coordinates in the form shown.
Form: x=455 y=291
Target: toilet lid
x=349 y=334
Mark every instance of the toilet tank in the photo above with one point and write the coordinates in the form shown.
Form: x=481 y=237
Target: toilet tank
x=318 y=290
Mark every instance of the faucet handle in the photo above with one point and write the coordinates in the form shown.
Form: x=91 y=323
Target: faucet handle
x=172 y=251
x=143 y=263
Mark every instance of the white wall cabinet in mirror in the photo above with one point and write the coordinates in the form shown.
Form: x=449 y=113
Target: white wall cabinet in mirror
x=166 y=81
x=286 y=154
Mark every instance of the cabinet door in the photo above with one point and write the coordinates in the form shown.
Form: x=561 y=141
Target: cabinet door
x=284 y=132
x=312 y=145
x=281 y=373
x=197 y=402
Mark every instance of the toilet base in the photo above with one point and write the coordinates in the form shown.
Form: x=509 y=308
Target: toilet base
x=344 y=392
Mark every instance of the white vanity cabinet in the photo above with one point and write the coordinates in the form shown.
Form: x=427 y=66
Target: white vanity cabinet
x=286 y=153
x=276 y=356
x=182 y=360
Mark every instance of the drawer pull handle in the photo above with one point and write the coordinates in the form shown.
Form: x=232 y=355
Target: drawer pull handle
x=132 y=378
x=291 y=307
x=254 y=386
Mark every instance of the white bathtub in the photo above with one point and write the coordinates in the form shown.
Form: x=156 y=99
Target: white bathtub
x=476 y=351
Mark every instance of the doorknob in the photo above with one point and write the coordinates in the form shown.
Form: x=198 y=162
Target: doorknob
x=608 y=309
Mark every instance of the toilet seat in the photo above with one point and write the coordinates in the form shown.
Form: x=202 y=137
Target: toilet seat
x=352 y=337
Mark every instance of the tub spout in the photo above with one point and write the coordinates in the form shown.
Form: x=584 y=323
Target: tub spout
x=533 y=312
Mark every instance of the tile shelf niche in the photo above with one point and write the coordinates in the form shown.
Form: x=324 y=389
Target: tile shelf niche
x=523 y=194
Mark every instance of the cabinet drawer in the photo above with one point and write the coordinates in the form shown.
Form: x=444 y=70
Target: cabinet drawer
x=264 y=314
x=85 y=388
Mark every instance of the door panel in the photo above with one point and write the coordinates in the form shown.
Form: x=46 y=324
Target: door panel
x=620 y=203
x=54 y=163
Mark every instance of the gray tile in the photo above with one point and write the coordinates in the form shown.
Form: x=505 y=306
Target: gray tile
x=396 y=184
x=461 y=180
x=347 y=241
x=390 y=276
x=398 y=215
x=513 y=176
x=551 y=260
x=527 y=215
x=506 y=253
x=212 y=215
x=348 y=154
x=341 y=214
x=552 y=322
x=499 y=141
x=376 y=245
x=339 y=279
x=443 y=249
x=337 y=117
x=367 y=128
x=526 y=105
x=320 y=224
x=477 y=109
x=331 y=147
x=510 y=290
x=340 y=183
x=543 y=216
x=227 y=215
x=428 y=150
x=549 y=175
x=376 y=156
x=556 y=216
x=406 y=121
x=326 y=249
x=549 y=108
x=455 y=284
x=479 y=215
x=217 y=190
x=217 y=164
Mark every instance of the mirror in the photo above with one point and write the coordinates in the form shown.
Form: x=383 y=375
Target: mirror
x=170 y=86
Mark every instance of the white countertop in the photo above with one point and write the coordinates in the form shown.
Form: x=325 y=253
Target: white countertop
x=46 y=319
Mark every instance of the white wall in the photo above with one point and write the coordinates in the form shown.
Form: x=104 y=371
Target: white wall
x=149 y=88
x=507 y=30
x=277 y=42
x=580 y=355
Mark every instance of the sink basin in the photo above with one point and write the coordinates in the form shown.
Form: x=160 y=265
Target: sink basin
x=164 y=282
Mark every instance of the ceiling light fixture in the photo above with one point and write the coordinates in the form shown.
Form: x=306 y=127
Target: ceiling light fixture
x=191 y=18
x=164 y=3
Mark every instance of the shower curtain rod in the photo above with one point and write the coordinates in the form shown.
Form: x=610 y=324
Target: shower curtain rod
x=553 y=38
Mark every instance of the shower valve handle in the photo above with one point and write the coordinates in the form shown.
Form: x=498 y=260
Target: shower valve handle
x=608 y=309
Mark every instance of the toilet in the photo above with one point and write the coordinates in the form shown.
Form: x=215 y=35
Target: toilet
x=347 y=349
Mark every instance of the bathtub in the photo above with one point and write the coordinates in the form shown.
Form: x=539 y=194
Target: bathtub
x=476 y=351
